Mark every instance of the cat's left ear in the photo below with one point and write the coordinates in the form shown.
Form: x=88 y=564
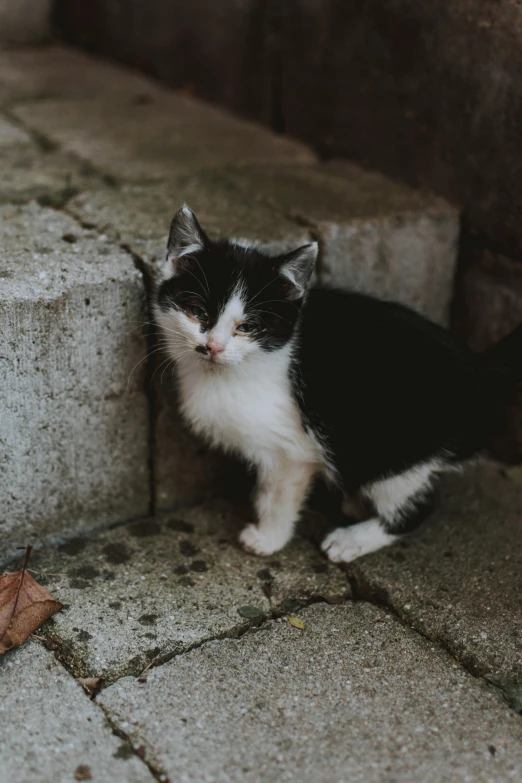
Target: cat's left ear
x=297 y=267
x=186 y=237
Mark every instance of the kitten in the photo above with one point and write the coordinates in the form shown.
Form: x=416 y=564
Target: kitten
x=301 y=382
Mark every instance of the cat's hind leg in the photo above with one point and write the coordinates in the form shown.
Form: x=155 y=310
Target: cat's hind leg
x=402 y=502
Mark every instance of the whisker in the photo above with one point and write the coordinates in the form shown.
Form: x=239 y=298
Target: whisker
x=147 y=356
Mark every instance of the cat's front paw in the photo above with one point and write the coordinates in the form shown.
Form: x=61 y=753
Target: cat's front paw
x=260 y=542
x=348 y=543
x=341 y=546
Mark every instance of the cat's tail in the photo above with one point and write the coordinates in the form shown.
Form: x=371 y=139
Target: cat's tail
x=505 y=358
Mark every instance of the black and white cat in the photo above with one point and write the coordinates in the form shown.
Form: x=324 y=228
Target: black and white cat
x=301 y=382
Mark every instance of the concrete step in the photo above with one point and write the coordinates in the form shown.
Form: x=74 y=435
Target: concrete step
x=119 y=154
x=74 y=430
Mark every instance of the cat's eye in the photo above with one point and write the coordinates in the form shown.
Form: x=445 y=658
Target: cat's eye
x=198 y=312
x=246 y=327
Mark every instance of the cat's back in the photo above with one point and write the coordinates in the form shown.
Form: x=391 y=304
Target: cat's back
x=340 y=326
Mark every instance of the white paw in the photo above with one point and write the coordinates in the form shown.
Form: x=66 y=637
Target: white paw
x=348 y=543
x=340 y=546
x=260 y=542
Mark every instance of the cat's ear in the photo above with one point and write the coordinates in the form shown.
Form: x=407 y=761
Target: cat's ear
x=186 y=237
x=297 y=267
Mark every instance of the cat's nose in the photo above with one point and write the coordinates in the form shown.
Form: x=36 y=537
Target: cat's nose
x=202 y=349
x=214 y=348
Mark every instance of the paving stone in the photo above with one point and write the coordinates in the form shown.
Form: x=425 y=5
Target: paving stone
x=32 y=171
x=356 y=696
x=459 y=580
x=151 y=140
x=377 y=236
x=158 y=587
x=139 y=217
x=51 y=731
x=74 y=425
x=61 y=72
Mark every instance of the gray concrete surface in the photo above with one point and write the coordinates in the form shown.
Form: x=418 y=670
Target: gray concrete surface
x=355 y=697
x=74 y=425
x=34 y=170
x=158 y=587
x=377 y=236
x=157 y=138
x=51 y=731
x=140 y=216
x=459 y=579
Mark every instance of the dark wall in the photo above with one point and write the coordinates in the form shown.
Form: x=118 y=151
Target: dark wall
x=218 y=49
x=429 y=91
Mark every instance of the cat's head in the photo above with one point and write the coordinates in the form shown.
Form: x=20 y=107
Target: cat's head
x=220 y=302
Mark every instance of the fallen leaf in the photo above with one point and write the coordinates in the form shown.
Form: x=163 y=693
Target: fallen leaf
x=296 y=622
x=91 y=685
x=24 y=605
x=251 y=612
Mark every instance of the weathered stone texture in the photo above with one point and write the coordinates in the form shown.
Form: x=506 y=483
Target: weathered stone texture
x=32 y=170
x=51 y=731
x=74 y=429
x=158 y=587
x=157 y=138
x=356 y=696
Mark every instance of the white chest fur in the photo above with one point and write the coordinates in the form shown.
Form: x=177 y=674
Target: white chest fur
x=249 y=410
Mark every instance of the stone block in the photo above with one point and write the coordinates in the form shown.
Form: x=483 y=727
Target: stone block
x=74 y=427
x=377 y=236
x=34 y=170
x=51 y=731
x=157 y=587
x=355 y=696
x=156 y=138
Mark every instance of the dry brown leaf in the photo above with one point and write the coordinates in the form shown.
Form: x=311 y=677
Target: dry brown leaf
x=24 y=605
x=91 y=685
